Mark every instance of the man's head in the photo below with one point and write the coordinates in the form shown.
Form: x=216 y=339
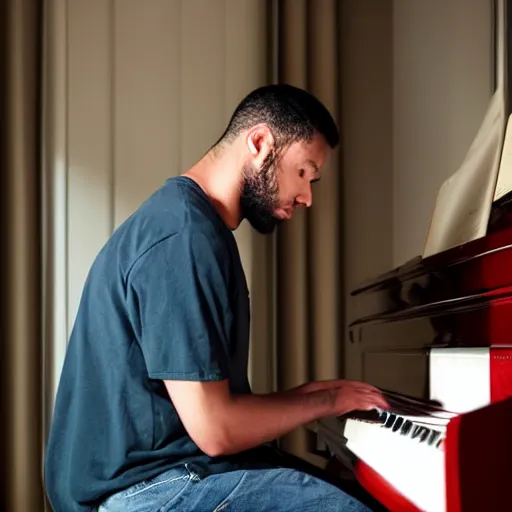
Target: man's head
x=286 y=135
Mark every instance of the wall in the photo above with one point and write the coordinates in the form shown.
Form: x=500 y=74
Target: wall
x=442 y=82
x=135 y=103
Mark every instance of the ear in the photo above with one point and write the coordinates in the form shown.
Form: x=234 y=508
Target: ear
x=260 y=142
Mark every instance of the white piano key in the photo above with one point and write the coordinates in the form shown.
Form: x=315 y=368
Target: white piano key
x=414 y=468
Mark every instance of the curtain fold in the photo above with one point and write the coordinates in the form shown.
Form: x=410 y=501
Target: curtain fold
x=309 y=287
x=324 y=234
x=21 y=425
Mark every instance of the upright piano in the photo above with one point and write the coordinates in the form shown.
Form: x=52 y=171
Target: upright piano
x=436 y=336
x=444 y=325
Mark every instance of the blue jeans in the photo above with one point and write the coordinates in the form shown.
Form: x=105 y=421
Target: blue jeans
x=259 y=490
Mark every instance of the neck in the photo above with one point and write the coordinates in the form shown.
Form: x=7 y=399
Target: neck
x=219 y=175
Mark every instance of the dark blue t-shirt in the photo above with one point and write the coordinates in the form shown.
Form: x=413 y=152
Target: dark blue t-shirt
x=166 y=298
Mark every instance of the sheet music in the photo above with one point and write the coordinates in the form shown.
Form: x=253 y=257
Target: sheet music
x=504 y=184
x=464 y=201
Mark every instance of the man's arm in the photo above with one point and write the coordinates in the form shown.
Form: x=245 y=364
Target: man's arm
x=180 y=287
x=222 y=423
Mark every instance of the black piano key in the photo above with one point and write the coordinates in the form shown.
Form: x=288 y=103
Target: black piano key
x=391 y=419
x=425 y=434
x=416 y=432
x=434 y=436
x=406 y=428
x=383 y=416
x=398 y=423
x=372 y=416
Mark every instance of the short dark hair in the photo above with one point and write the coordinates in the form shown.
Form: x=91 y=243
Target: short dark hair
x=291 y=113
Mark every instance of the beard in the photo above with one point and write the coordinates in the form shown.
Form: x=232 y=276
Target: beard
x=260 y=196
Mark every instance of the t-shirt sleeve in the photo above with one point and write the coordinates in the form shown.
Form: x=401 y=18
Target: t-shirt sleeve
x=181 y=289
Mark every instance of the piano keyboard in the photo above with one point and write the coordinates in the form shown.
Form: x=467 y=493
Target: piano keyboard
x=404 y=445
x=412 y=428
x=416 y=420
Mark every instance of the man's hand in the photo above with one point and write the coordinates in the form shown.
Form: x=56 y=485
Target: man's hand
x=353 y=395
x=347 y=395
x=222 y=423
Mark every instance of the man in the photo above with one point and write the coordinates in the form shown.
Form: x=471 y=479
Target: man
x=154 y=410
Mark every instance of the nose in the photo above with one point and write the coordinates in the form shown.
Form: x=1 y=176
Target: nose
x=306 y=197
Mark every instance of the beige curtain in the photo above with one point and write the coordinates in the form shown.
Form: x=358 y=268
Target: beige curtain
x=21 y=345
x=309 y=310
